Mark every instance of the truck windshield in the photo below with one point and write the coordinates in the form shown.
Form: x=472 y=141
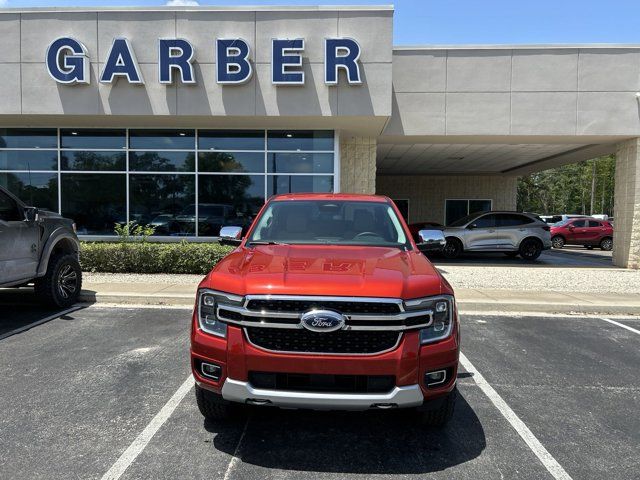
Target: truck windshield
x=310 y=222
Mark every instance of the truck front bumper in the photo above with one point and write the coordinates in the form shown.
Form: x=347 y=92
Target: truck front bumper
x=399 y=397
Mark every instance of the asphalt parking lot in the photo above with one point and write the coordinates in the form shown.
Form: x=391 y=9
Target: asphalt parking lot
x=102 y=386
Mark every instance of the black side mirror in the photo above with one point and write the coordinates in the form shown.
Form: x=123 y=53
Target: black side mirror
x=31 y=214
x=471 y=226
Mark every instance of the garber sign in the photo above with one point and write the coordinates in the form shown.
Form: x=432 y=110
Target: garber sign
x=68 y=61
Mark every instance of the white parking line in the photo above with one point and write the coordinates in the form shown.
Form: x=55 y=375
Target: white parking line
x=142 y=440
x=40 y=322
x=621 y=325
x=236 y=458
x=519 y=426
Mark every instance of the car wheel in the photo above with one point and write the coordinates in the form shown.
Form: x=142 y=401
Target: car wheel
x=606 y=244
x=214 y=407
x=61 y=285
x=557 y=242
x=453 y=248
x=441 y=415
x=530 y=249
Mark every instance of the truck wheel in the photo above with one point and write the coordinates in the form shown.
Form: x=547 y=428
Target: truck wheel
x=214 y=407
x=557 y=242
x=530 y=249
x=61 y=285
x=452 y=249
x=606 y=244
x=441 y=415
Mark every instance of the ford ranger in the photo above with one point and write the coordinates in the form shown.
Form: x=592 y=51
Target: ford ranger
x=326 y=304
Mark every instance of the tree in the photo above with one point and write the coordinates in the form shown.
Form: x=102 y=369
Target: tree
x=581 y=188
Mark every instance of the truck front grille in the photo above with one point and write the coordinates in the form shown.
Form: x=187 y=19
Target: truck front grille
x=351 y=342
x=304 y=382
x=345 y=307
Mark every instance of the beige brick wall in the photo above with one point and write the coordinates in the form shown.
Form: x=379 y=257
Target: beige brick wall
x=427 y=194
x=358 y=165
x=626 y=240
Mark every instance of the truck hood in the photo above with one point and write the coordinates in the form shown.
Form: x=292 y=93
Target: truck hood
x=326 y=270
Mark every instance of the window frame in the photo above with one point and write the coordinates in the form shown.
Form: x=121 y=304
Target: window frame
x=468 y=200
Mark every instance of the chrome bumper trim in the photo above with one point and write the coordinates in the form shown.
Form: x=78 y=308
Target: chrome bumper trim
x=243 y=392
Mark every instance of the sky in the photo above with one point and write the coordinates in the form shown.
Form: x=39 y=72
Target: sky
x=440 y=22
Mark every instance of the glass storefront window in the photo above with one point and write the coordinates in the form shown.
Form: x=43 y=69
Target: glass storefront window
x=95 y=201
x=102 y=176
x=300 y=162
x=162 y=161
x=277 y=184
x=28 y=138
x=228 y=200
x=35 y=189
x=231 y=140
x=93 y=138
x=162 y=139
x=248 y=162
x=302 y=140
x=28 y=160
x=93 y=161
x=163 y=201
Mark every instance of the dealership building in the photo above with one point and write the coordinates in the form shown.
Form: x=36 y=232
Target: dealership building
x=185 y=118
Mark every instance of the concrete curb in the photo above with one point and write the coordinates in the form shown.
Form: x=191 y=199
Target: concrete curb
x=464 y=306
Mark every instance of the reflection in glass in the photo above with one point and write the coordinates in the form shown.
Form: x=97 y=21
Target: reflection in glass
x=231 y=162
x=90 y=138
x=300 y=162
x=162 y=139
x=28 y=138
x=35 y=189
x=277 y=184
x=94 y=201
x=162 y=161
x=93 y=161
x=163 y=201
x=300 y=140
x=231 y=139
x=228 y=200
x=28 y=159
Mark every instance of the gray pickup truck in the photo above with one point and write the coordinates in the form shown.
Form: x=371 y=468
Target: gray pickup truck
x=39 y=247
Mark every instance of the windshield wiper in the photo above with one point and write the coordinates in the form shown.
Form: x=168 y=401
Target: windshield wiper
x=266 y=242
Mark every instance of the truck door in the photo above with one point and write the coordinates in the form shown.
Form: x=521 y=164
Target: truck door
x=18 y=242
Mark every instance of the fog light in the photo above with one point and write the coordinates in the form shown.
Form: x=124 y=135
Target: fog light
x=437 y=377
x=211 y=370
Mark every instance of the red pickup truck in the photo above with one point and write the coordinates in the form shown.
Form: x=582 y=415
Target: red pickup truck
x=326 y=304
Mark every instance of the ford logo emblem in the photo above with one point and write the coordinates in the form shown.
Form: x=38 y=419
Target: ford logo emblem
x=322 y=321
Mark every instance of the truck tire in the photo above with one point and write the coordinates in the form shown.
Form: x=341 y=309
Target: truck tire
x=61 y=285
x=440 y=416
x=213 y=407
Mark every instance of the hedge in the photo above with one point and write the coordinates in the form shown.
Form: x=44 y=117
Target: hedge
x=147 y=257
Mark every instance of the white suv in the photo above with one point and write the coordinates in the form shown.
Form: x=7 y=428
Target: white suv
x=512 y=233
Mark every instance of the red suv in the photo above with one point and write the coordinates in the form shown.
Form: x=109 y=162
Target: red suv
x=582 y=231
x=326 y=304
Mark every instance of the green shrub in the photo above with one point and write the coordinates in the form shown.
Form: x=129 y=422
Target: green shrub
x=147 y=257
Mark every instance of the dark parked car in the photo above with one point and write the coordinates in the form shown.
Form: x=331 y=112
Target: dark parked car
x=40 y=247
x=589 y=232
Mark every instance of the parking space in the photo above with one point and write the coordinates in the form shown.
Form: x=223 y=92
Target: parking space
x=569 y=256
x=79 y=390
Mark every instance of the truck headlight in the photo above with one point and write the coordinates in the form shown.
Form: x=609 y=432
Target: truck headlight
x=208 y=301
x=442 y=308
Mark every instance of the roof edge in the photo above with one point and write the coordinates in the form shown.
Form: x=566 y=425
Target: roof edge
x=532 y=46
x=203 y=8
